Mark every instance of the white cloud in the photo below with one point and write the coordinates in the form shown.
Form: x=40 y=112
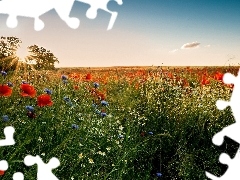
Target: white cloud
x=208 y=46
x=173 y=51
x=190 y=45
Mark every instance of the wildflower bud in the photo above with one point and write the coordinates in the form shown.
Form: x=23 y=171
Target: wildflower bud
x=120 y=136
x=74 y=126
x=104 y=103
x=64 y=77
x=5 y=118
x=48 y=91
x=10 y=84
x=95 y=84
x=97 y=111
x=31 y=114
x=150 y=133
x=67 y=99
x=103 y=114
x=94 y=105
x=158 y=174
x=4 y=73
x=142 y=134
x=30 y=108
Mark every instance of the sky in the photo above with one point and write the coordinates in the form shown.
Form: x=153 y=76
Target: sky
x=145 y=33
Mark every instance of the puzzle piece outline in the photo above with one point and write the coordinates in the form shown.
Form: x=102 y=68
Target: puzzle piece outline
x=44 y=169
x=230 y=131
x=8 y=141
x=37 y=8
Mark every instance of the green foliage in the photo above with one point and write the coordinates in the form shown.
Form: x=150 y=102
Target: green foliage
x=183 y=121
x=43 y=59
x=39 y=57
x=8 y=48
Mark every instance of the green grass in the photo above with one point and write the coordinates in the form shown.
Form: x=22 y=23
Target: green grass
x=182 y=120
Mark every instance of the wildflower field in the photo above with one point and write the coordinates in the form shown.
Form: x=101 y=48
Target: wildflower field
x=116 y=123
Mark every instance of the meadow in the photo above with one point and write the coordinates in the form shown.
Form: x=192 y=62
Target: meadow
x=116 y=123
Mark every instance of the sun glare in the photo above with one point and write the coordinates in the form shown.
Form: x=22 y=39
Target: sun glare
x=22 y=54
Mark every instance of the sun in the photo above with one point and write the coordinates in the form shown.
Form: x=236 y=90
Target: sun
x=22 y=54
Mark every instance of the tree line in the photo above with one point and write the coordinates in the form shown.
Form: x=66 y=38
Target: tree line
x=39 y=57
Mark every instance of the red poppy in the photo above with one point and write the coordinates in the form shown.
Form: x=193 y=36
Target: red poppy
x=218 y=76
x=230 y=86
x=74 y=76
x=44 y=100
x=76 y=87
x=185 y=83
x=205 y=81
x=2 y=172
x=101 y=96
x=5 y=90
x=28 y=90
x=88 y=77
x=170 y=75
x=142 y=134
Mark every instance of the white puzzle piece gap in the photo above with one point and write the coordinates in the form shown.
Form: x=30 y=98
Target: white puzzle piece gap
x=18 y=176
x=232 y=131
x=8 y=132
x=3 y=165
x=36 y=8
x=44 y=170
x=8 y=141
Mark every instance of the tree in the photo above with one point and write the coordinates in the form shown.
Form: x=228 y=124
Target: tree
x=41 y=58
x=8 y=49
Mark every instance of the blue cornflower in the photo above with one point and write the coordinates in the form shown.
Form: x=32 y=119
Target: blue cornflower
x=30 y=108
x=74 y=126
x=103 y=114
x=48 y=91
x=158 y=174
x=120 y=136
x=4 y=73
x=95 y=84
x=5 y=118
x=97 y=111
x=64 y=77
x=10 y=84
x=150 y=133
x=67 y=99
x=104 y=103
x=94 y=105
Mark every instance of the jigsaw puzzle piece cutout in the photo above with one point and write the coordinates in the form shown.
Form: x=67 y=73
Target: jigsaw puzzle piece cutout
x=18 y=176
x=229 y=78
x=231 y=131
x=3 y=165
x=63 y=8
x=44 y=170
x=102 y=5
x=25 y=8
x=8 y=141
x=36 y=8
x=233 y=167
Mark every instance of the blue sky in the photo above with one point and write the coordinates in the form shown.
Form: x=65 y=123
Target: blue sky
x=146 y=32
